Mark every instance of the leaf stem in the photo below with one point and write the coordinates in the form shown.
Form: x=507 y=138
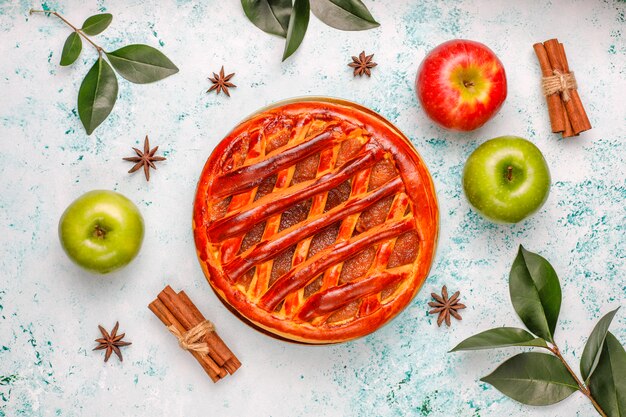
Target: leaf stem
x=77 y=30
x=583 y=388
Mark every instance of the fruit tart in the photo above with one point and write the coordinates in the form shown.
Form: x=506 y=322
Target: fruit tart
x=316 y=221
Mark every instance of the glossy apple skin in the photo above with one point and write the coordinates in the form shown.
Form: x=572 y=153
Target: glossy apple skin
x=487 y=185
x=101 y=231
x=461 y=84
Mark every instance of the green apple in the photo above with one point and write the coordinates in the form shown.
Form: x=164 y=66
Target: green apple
x=506 y=179
x=101 y=231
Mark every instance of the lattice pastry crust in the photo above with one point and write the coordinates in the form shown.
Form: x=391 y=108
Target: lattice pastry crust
x=316 y=221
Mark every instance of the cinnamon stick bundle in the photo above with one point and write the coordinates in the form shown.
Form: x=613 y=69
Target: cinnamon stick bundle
x=195 y=334
x=567 y=114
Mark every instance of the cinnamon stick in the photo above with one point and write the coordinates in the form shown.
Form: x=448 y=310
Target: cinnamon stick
x=569 y=130
x=159 y=310
x=182 y=312
x=215 y=343
x=556 y=110
x=179 y=311
x=575 y=97
x=170 y=299
x=554 y=55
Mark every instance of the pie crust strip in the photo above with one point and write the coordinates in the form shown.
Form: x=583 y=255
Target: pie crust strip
x=249 y=176
x=396 y=211
x=332 y=299
x=339 y=252
x=284 y=177
x=230 y=247
x=328 y=157
x=359 y=187
x=331 y=276
x=277 y=202
x=267 y=249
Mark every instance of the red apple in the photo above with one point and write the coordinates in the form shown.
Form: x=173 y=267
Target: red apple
x=461 y=84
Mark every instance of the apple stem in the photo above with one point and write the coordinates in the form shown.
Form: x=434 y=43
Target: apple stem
x=509 y=173
x=468 y=84
x=99 y=232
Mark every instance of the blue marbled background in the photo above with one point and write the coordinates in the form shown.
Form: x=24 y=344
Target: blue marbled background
x=49 y=309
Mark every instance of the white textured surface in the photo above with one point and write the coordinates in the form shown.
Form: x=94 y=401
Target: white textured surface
x=49 y=309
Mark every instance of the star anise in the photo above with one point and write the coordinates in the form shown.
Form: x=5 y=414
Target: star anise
x=362 y=64
x=445 y=306
x=145 y=159
x=221 y=82
x=111 y=342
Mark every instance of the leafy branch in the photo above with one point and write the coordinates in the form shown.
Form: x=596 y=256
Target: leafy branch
x=290 y=20
x=542 y=379
x=137 y=63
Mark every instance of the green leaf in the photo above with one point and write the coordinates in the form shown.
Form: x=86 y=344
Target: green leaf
x=593 y=348
x=271 y=16
x=97 y=23
x=71 y=49
x=535 y=293
x=533 y=378
x=97 y=95
x=344 y=14
x=298 y=22
x=141 y=64
x=608 y=381
x=500 y=337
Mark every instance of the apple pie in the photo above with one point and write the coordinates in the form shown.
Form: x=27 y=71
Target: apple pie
x=315 y=221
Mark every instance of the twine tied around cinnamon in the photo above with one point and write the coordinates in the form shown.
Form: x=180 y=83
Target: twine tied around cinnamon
x=559 y=83
x=190 y=340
